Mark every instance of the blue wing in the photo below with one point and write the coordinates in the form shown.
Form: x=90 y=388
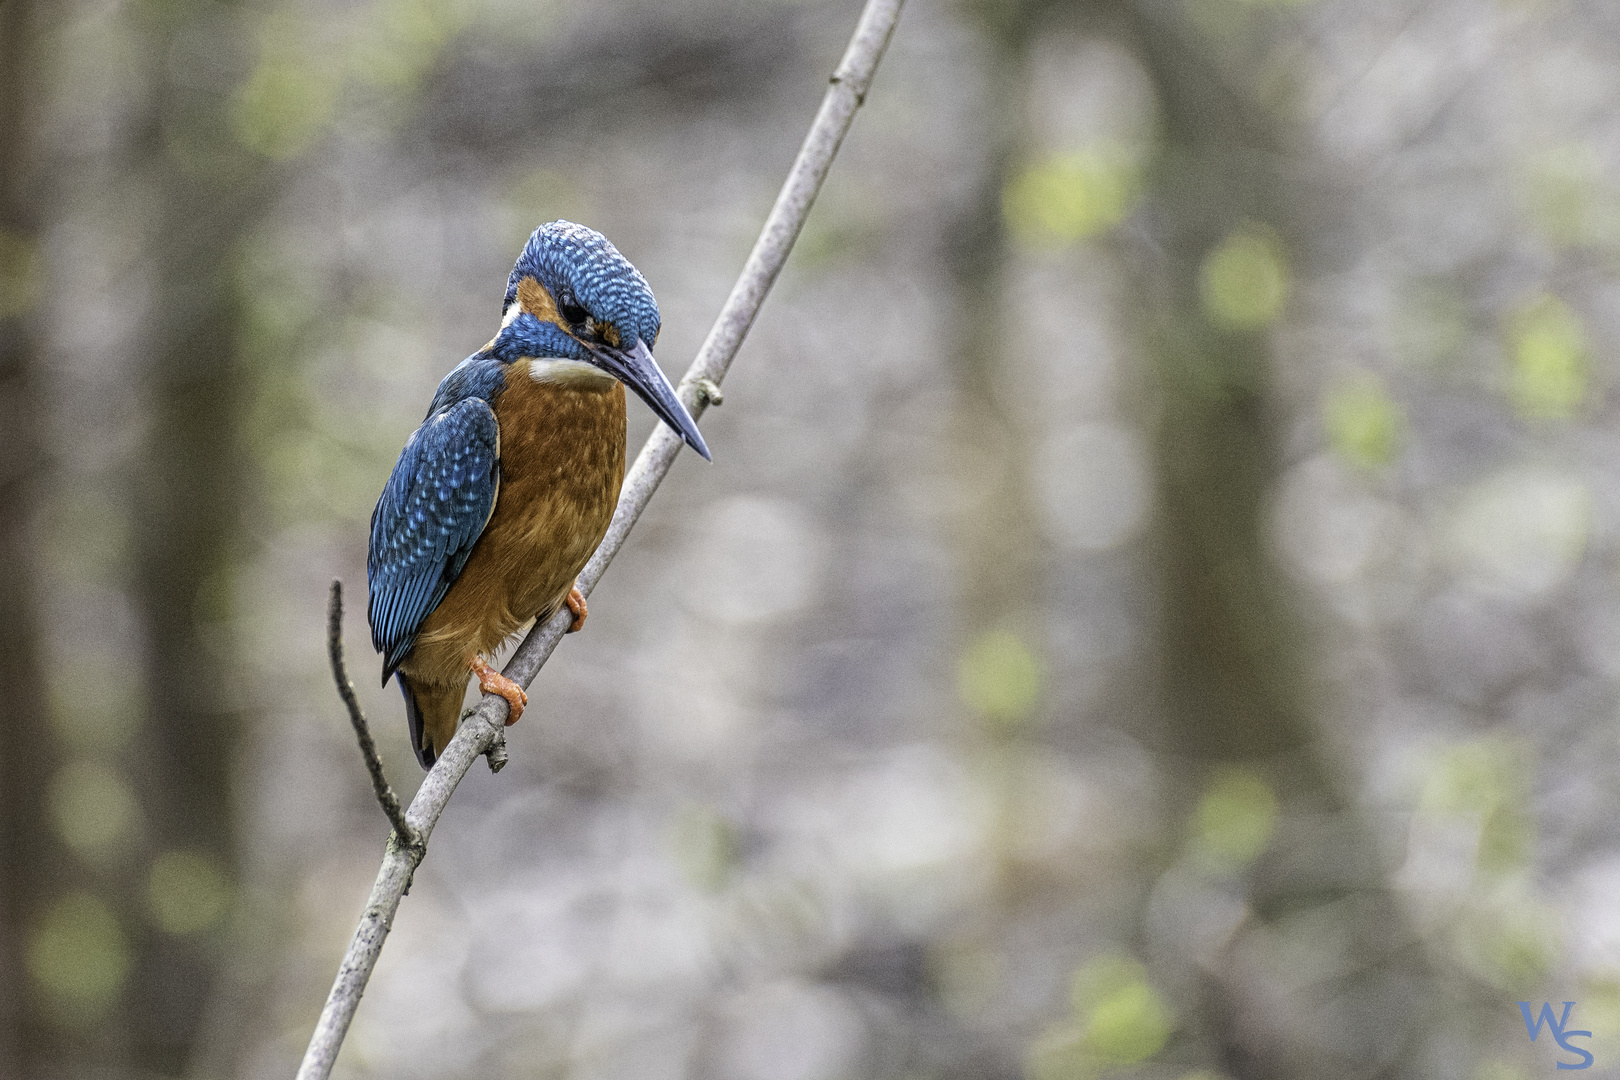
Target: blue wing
x=431 y=513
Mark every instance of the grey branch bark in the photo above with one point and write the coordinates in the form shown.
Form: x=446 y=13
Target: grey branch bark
x=697 y=389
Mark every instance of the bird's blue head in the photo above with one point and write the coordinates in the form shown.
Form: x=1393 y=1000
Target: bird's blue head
x=572 y=296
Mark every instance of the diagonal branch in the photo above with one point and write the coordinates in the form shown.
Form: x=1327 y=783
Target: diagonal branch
x=698 y=388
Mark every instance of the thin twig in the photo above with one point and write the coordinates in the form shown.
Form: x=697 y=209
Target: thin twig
x=479 y=730
x=362 y=731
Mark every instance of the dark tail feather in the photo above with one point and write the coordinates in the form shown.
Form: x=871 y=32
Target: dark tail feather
x=413 y=716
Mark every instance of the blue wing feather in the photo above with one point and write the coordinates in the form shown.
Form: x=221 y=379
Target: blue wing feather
x=432 y=511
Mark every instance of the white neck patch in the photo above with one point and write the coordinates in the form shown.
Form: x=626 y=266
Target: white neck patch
x=569 y=373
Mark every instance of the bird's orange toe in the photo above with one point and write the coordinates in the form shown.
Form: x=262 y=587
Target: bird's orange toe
x=576 y=604
x=491 y=681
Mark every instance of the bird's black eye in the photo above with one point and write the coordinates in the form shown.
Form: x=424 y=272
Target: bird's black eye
x=573 y=313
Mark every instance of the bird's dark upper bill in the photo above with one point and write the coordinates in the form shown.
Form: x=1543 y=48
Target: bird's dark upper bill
x=637 y=369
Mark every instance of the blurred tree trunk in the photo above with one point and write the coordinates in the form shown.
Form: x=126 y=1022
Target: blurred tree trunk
x=23 y=764
x=187 y=520
x=1235 y=683
x=997 y=540
x=995 y=536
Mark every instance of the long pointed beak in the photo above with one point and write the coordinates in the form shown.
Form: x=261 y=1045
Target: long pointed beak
x=636 y=368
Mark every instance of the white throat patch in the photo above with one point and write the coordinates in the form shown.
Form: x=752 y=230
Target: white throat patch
x=568 y=373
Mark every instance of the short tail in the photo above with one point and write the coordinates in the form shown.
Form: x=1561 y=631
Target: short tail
x=413 y=716
x=432 y=710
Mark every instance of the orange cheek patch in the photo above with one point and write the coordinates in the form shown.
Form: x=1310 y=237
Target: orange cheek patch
x=610 y=334
x=537 y=301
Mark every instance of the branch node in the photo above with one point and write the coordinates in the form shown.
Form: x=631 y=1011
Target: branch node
x=407 y=836
x=709 y=392
x=496 y=754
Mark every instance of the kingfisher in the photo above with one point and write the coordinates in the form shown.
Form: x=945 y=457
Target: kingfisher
x=500 y=497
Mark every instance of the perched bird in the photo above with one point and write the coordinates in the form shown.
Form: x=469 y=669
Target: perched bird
x=500 y=497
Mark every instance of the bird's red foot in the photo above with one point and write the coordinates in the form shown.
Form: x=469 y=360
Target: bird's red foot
x=491 y=681
x=576 y=604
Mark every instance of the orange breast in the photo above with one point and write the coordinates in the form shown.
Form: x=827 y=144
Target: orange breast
x=562 y=463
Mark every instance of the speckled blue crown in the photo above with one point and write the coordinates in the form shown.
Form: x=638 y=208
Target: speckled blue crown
x=580 y=266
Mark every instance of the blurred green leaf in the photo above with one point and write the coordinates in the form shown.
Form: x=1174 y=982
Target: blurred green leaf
x=1122 y=1018
x=1567 y=196
x=1067 y=198
x=707 y=847
x=403 y=40
x=1549 y=352
x=1486 y=779
x=1600 y=1004
x=286 y=103
x=78 y=956
x=1102 y=976
x=1474 y=777
x=1129 y=1025
x=1060 y=1054
x=1244 y=280
x=1364 y=425
x=1000 y=677
x=186 y=892
x=92 y=808
x=1511 y=941
x=1236 y=817
x=1500 y=1069
x=19 y=274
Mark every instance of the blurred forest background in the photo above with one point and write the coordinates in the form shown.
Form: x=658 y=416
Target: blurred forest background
x=1154 y=610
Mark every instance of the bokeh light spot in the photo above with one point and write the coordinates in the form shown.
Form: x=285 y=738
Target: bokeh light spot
x=1236 y=817
x=1522 y=532
x=1123 y=1018
x=1071 y=197
x=186 y=892
x=1000 y=677
x=707 y=847
x=1096 y=485
x=1244 y=281
x=1550 y=359
x=1364 y=425
x=78 y=955
x=92 y=808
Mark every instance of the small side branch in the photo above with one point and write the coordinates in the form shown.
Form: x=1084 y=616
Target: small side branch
x=407 y=836
x=698 y=389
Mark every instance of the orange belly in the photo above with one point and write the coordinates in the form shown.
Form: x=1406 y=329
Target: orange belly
x=562 y=463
